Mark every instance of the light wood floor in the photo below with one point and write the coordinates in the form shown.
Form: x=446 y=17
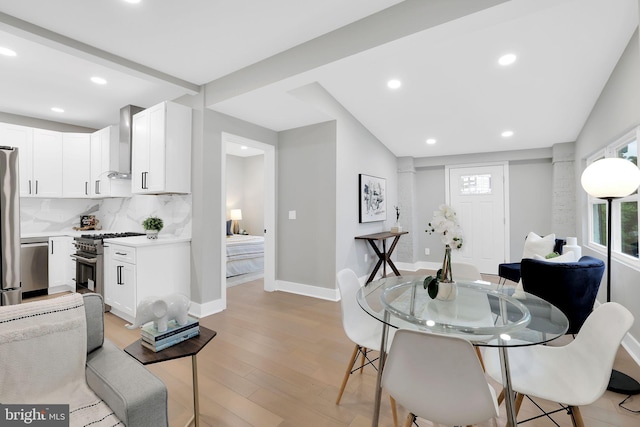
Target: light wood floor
x=278 y=360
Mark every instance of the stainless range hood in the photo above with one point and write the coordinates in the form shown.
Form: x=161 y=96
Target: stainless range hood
x=125 y=141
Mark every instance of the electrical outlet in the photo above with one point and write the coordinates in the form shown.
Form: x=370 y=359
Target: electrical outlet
x=366 y=257
x=427 y=251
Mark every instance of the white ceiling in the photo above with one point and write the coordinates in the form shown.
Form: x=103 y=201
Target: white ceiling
x=453 y=90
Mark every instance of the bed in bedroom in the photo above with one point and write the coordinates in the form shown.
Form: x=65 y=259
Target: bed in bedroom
x=245 y=258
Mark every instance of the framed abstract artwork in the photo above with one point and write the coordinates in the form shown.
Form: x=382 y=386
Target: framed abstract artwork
x=372 y=203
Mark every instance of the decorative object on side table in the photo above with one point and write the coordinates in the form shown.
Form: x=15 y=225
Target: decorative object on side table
x=171 y=322
x=445 y=222
x=153 y=225
x=397 y=228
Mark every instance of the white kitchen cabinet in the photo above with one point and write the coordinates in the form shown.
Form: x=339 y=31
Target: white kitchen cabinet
x=46 y=164
x=62 y=268
x=135 y=272
x=76 y=165
x=22 y=138
x=161 y=152
x=104 y=159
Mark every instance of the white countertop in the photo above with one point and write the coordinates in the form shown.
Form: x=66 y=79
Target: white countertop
x=140 y=241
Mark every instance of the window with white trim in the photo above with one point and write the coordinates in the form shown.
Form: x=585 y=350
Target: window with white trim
x=624 y=219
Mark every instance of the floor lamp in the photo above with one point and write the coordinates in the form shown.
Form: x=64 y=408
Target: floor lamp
x=612 y=178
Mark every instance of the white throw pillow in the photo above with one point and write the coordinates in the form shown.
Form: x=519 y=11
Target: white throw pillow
x=568 y=257
x=536 y=245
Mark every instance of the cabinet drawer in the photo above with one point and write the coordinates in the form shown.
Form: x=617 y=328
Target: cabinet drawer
x=123 y=254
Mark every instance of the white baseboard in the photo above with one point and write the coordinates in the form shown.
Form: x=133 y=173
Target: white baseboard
x=420 y=265
x=307 y=290
x=633 y=347
x=202 y=310
x=62 y=288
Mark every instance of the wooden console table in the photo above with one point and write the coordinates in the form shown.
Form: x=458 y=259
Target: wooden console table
x=384 y=256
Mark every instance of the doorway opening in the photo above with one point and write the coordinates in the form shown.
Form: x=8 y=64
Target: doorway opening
x=248 y=201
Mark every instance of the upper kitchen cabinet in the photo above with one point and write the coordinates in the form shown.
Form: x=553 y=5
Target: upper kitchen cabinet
x=47 y=163
x=39 y=157
x=21 y=137
x=161 y=151
x=76 y=165
x=104 y=162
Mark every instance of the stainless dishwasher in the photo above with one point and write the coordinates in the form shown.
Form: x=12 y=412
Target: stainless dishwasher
x=34 y=260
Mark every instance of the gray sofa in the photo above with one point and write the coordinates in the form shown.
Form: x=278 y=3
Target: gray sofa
x=137 y=397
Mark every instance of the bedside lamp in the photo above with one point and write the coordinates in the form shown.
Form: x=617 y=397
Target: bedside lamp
x=236 y=215
x=612 y=178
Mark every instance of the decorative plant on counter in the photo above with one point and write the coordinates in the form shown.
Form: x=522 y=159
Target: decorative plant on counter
x=153 y=225
x=445 y=222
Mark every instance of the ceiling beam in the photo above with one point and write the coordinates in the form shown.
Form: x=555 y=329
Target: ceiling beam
x=395 y=22
x=57 y=41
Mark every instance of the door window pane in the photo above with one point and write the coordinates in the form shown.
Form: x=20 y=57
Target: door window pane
x=600 y=223
x=629 y=225
x=475 y=184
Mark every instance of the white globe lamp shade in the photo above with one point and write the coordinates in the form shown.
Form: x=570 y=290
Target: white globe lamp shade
x=610 y=178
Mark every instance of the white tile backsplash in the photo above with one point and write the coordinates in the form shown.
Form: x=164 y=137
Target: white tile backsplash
x=117 y=214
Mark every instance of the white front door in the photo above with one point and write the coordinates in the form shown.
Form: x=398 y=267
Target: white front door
x=478 y=195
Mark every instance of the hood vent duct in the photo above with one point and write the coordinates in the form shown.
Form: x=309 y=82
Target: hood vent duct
x=125 y=142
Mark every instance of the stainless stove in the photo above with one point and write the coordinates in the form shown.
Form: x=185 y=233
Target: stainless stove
x=89 y=258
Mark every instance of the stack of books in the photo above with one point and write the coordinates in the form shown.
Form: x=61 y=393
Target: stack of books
x=175 y=334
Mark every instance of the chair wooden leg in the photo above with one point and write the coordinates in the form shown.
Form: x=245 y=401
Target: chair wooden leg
x=409 y=420
x=394 y=411
x=479 y=356
x=362 y=359
x=346 y=374
x=501 y=397
x=519 y=398
x=576 y=417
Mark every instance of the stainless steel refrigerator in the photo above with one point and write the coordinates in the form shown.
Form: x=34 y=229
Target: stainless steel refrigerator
x=10 y=292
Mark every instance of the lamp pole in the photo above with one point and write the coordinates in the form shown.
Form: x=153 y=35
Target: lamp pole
x=607 y=179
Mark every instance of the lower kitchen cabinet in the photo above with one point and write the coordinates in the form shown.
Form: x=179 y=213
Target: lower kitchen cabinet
x=134 y=272
x=62 y=268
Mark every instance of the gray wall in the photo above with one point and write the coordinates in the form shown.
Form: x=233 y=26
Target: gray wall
x=306 y=185
x=530 y=195
x=357 y=151
x=42 y=124
x=207 y=177
x=616 y=112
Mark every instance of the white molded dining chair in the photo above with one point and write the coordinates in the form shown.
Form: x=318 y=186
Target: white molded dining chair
x=438 y=378
x=361 y=328
x=574 y=375
x=465 y=271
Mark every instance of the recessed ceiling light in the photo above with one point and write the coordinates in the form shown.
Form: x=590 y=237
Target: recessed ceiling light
x=394 y=84
x=431 y=141
x=57 y=110
x=133 y=1
x=243 y=147
x=507 y=59
x=507 y=133
x=6 y=51
x=98 y=80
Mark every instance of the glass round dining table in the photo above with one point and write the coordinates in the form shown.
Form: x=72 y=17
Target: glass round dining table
x=482 y=312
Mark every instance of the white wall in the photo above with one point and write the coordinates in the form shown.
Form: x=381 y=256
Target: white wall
x=245 y=190
x=616 y=112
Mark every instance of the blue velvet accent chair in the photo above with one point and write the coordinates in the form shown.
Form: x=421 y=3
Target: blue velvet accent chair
x=511 y=270
x=570 y=286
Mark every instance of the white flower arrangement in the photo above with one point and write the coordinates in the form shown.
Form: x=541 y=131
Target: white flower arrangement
x=445 y=222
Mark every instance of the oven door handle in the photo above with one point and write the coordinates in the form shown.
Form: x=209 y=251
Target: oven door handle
x=83 y=259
